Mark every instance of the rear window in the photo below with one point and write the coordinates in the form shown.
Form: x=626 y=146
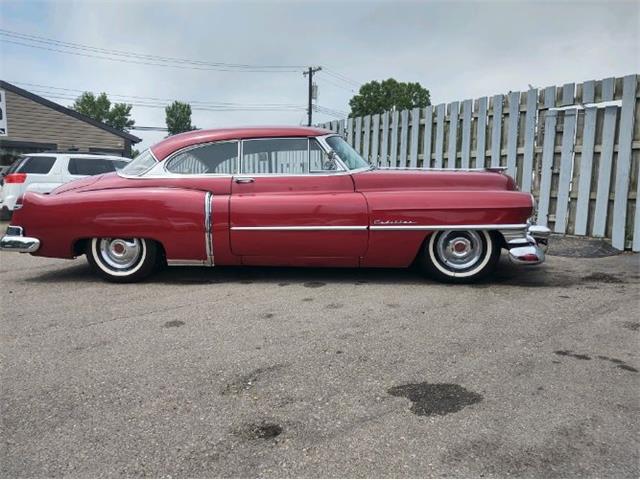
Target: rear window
x=93 y=166
x=36 y=165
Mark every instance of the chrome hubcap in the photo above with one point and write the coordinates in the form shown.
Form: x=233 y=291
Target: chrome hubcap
x=459 y=250
x=120 y=253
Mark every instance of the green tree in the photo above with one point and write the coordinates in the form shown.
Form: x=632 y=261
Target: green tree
x=378 y=97
x=178 y=118
x=99 y=108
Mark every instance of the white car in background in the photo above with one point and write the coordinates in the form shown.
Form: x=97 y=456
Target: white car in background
x=43 y=172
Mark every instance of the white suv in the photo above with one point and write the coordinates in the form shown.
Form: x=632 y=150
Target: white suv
x=42 y=172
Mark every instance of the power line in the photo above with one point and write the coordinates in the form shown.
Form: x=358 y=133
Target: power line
x=341 y=77
x=206 y=108
x=137 y=97
x=132 y=57
x=348 y=89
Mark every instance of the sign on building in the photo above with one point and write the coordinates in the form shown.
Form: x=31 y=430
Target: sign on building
x=3 y=115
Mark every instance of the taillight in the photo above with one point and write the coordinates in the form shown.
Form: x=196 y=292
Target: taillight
x=15 y=178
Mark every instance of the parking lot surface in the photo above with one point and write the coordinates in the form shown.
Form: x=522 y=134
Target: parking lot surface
x=274 y=372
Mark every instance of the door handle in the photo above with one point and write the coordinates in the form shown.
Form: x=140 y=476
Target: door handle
x=244 y=180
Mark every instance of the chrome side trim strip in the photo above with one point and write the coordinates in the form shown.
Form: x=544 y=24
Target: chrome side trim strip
x=306 y=228
x=188 y=263
x=436 y=169
x=519 y=226
x=208 y=236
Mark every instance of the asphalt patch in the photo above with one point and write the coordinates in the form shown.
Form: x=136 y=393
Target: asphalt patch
x=247 y=381
x=616 y=361
x=173 y=324
x=580 y=247
x=603 y=277
x=436 y=398
x=634 y=326
x=260 y=431
x=628 y=368
x=314 y=284
x=569 y=353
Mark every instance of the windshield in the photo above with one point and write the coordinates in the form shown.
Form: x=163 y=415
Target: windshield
x=140 y=164
x=347 y=154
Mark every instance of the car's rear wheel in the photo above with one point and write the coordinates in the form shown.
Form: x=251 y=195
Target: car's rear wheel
x=460 y=256
x=122 y=259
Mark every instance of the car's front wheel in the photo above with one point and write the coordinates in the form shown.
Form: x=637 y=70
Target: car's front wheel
x=460 y=256
x=122 y=259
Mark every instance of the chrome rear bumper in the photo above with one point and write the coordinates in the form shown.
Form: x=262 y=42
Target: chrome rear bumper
x=15 y=241
x=527 y=247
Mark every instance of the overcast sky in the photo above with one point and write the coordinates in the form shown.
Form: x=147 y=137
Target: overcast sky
x=457 y=50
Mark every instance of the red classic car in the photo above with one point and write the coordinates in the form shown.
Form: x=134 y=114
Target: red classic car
x=289 y=196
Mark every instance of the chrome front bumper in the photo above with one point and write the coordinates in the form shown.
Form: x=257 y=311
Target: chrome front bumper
x=15 y=241
x=527 y=247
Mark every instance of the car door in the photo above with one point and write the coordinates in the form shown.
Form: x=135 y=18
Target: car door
x=292 y=205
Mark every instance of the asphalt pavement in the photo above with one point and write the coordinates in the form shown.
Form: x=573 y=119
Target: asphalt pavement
x=271 y=372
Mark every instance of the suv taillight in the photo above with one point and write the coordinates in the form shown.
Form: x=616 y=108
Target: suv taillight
x=15 y=178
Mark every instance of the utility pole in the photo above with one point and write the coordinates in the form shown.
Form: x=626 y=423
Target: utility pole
x=310 y=72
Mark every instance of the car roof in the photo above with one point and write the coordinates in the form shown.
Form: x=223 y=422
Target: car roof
x=166 y=147
x=89 y=156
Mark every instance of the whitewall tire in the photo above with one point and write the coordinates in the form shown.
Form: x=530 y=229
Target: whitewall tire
x=460 y=256
x=122 y=259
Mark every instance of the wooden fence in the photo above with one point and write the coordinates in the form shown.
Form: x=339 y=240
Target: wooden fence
x=575 y=147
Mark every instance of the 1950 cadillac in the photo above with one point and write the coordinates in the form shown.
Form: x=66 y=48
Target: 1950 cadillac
x=288 y=196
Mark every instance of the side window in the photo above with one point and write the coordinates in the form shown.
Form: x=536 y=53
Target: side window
x=319 y=161
x=213 y=158
x=37 y=165
x=288 y=156
x=90 y=166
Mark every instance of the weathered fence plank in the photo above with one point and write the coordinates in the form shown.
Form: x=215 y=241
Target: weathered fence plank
x=375 y=139
x=442 y=110
x=366 y=136
x=350 y=131
x=467 y=107
x=512 y=142
x=453 y=134
x=623 y=164
x=566 y=166
x=604 y=171
x=384 y=149
x=586 y=159
x=566 y=159
x=426 y=145
x=496 y=131
x=393 y=157
x=548 y=148
x=404 y=135
x=358 y=135
x=415 y=137
x=481 y=132
x=529 y=139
